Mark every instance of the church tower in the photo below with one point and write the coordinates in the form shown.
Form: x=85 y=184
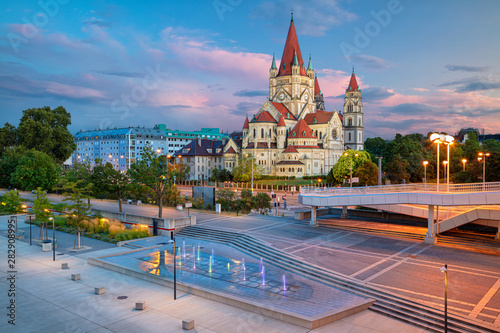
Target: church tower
x=353 y=116
x=292 y=84
x=318 y=96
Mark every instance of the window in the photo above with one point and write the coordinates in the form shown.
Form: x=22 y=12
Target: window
x=349 y=108
x=349 y=122
x=349 y=136
x=254 y=133
x=262 y=133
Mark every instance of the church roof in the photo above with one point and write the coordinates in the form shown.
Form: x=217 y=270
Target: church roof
x=281 y=122
x=283 y=110
x=230 y=151
x=245 y=125
x=289 y=163
x=317 y=89
x=318 y=117
x=290 y=52
x=301 y=130
x=290 y=149
x=264 y=117
x=273 y=65
x=353 y=84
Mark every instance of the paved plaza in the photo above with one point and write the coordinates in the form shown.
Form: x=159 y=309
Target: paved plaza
x=46 y=297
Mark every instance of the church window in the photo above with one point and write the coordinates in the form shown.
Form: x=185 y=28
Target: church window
x=254 y=133
x=288 y=115
x=262 y=133
x=304 y=133
x=349 y=122
x=349 y=108
x=349 y=136
x=320 y=135
x=293 y=133
x=316 y=133
x=334 y=134
x=284 y=66
x=269 y=132
x=315 y=121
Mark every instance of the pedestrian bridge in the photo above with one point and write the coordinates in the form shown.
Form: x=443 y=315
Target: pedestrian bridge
x=430 y=196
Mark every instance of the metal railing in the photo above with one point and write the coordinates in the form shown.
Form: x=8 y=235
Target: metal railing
x=403 y=188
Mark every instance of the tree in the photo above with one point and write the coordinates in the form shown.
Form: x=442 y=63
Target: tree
x=341 y=169
x=220 y=175
x=8 y=137
x=46 y=130
x=243 y=170
x=106 y=179
x=246 y=201
x=225 y=197
x=151 y=174
x=375 y=146
x=471 y=147
x=367 y=173
x=398 y=169
x=36 y=169
x=12 y=202
x=80 y=208
x=8 y=164
x=41 y=206
x=261 y=201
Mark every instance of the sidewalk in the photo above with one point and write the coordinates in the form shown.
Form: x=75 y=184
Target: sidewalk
x=48 y=300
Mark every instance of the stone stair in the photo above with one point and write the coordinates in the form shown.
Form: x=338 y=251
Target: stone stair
x=387 y=303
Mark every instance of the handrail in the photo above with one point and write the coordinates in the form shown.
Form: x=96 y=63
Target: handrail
x=403 y=188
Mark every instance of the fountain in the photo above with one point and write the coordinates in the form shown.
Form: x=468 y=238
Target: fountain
x=263 y=275
x=212 y=258
x=243 y=263
x=198 y=252
x=284 y=284
x=210 y=265
x=228 y=267
x=260 y=265
x=184 y=249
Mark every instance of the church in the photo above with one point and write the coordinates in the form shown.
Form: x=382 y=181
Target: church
x=292 y=134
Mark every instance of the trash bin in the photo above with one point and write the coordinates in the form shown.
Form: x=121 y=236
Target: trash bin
x=46 y=245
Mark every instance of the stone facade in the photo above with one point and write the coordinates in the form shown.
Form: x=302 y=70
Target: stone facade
x=292 y=134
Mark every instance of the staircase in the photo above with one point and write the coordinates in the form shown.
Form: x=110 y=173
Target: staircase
x=387 y=303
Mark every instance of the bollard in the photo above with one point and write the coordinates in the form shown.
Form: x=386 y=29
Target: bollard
x=75 y=277
x=64 y=265
x=188 y=324
x=141 y=305
x=99 y=291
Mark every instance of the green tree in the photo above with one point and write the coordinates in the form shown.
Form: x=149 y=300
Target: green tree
x=375 y=146
x=261 y=201
x=36 y=169
x=367 y=173
x=106 y=179
x=8 y=165
x=152 y=174
x=341 y=169
x=46 y=130
x=244 y=169
x=471 y=147
x=226 y=199
x=8 y=137
x=220 y=175
x=41 y=206
x=398 y=169
x=12 y=202
x=79 y=206
x=246 y=201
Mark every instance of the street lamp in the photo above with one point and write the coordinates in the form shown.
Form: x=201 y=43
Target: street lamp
x=463 y=162
x=482 y=156
x=448 y=141
x=350 y=169
x=444 y=270
x=252 y=171
x=438 y=139
x=53 y=239
x=425 y=171
x=445 y=173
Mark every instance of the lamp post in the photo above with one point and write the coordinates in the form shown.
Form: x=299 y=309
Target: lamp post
x=175 y=271
x=482 y=156
x=350 y=169
x=444 y=270
x=448 y=141
x=425 y=171
x=252 y=171
x=445 y=171
x=463 y=162
x=53 y=238
x=438 y=139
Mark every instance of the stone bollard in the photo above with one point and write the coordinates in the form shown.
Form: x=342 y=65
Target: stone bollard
x=99 y=291
x=141 y=305
x=75 y=277
x=64 y=265
x=188 y=324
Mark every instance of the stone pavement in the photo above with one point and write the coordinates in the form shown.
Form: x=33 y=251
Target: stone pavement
x=47 y=299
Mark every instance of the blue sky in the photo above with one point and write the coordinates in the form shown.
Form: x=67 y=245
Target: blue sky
x=421 y=65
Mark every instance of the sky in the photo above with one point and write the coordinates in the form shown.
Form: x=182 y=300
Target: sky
x=422 y=66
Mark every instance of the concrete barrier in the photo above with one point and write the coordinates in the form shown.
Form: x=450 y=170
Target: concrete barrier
x=303 y=215
x=176 y=224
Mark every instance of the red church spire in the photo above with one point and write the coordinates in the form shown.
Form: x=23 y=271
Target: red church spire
x=317 y=89
x=246 y=125
x=353 y=84
x=291 y=50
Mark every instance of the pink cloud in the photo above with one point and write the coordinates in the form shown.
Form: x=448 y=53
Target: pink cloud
x=71 y=91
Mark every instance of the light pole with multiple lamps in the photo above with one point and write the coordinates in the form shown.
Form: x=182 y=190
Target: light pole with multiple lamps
x=444 y=270
x=438 y=139
x=425 y=171
x=350 y=169
x=482 y=156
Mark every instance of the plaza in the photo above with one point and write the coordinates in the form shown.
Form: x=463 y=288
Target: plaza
x=397 y=267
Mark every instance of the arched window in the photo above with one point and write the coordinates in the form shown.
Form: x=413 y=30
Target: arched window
x=349 y=122
x=316 y=133
x=320 y=135
x=254 y=133
x=262 y=133
x=349 y=137
x=349 y=108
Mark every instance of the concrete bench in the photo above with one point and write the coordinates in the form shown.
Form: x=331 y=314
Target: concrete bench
x=19 y=234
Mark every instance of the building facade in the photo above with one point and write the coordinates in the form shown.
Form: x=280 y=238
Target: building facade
x=292 y=134
x=123 y=146
x=202 y=155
